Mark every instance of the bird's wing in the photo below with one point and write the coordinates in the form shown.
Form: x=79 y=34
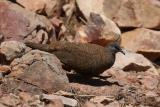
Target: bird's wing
x=77 y=57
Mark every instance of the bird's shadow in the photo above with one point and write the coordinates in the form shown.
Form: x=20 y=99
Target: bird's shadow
x=93 y=81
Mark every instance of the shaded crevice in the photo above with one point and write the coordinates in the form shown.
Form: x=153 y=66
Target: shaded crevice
x=127 y=29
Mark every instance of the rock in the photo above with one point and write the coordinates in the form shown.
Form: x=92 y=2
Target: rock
x=40 y=69
x=134 y=62
x=144 y=80
x=126 y=13
x=66 y=101
x=55 y=103
x=97 y=30
x=143 y=41
x=4 y=70
x=103 y=104
x=69 y=8
x=36 y=6
x=56 y=22
x=129 y=13
x=13 y=49
x=53 y=7
x=50 y=7
x=136 y=96
x=38 y=37
x=152 y=101
x=113 y=104
x=95 y=87
x=90 y=104
x=150 y=82
x=118 y=76
x=29 y=99
x=26 y=97
x=88 y=7
x=10 y=100
x=13 y=85
x=102 y=99
x=151 y=94
x=17 y=23
x=2 y=105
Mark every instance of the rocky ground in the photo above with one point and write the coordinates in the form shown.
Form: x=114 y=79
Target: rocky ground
x=34 y=78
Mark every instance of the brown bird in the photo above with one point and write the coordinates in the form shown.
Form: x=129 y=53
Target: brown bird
x=88 y=59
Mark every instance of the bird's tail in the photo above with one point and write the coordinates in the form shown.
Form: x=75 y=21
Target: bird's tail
x=42 y=47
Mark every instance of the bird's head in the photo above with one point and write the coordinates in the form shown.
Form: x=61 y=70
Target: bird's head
x=114 y=48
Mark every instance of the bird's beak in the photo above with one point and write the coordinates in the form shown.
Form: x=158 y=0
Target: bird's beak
x=122 y=52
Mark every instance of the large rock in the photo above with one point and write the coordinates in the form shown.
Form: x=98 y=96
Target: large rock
x=96 y=6
x=143 y=41
x=89 y=6
x=36 y=6
x=133 y=13
x=40 y=69
x=50 y=7
x=134 y=62
x=126 y=13
x=97 y=30
x=17 y=23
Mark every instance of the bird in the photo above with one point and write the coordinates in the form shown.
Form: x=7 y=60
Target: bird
x=85 y=58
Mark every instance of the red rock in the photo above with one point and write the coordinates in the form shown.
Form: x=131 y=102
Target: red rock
x=143 y=41
x=5 y=69
x=89 y=6
x=150 y=82
x=36 y=6
x=51 y=7
x=39 y=37
x=64 y=100
x=89 y=104
x=2 y=105
x=26 y=97
x=69 y=8
x=126 y=13
x=13 y=85
x=134 y=62
x=133 y=13
x=113 y=104
x=13 y=49
x=117 y=75
x=56 y=22
x=40 y=69
x=105 y=100
x=102 y=88
x=55 y=103
x=98 y=30
x=17 y=23
x=10 y=100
